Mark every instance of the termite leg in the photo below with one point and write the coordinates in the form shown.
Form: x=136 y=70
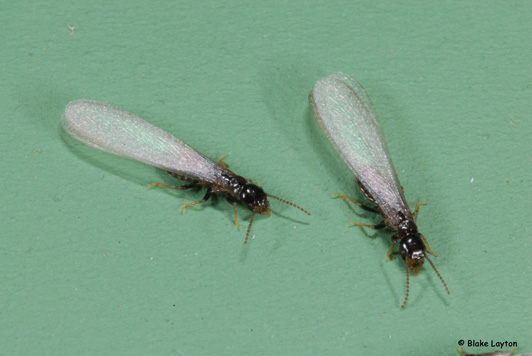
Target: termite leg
x=463 y=353
x=376 y=227
x=429 y=250
x=417 y=207
x=175 y=175
x=388 y=254
x=183 y=187
x=346 y=199
x=233 y=202
x=222 y=163
x=205 y=198
x=236 y=215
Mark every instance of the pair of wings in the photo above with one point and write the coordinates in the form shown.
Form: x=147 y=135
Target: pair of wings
x=116 y=131
x=348 y=119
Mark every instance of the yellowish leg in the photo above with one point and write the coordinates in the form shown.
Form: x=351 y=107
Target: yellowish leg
x=164 y=185
x=423 y=202
x=236 y=216
x=222 y=163
x=390 y=252
x=191 y=204
x=346 y=198
x=376 y=227
x=182 y=187
x=429 y=250
x=205 y=198
x=362 y=225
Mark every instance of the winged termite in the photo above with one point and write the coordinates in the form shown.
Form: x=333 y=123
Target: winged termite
x=347 y=117
x=116 y=131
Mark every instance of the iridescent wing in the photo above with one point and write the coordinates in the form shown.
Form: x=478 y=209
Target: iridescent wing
x=116 y=131
x=346 y=115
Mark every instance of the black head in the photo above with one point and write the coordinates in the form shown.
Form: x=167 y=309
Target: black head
x=411 y=245
x=413 y=252
x=254 y=198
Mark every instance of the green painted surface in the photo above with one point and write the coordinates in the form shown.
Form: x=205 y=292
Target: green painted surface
x=94 y=263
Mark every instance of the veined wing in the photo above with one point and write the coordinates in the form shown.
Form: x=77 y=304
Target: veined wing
x=116 y=131
x=346 y=115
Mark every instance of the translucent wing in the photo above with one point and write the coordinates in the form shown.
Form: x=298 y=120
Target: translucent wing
x=346 y=115
x=116 y=131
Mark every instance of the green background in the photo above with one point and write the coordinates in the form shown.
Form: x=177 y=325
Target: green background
x=93 y=262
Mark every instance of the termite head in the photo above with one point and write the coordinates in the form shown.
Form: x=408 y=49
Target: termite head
x=411 y=245
x=413 y=252
x=254 y=198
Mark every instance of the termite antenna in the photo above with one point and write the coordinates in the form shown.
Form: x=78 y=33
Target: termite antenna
x=249 y=227
x=439 y=275
x=289 y=203
x=407 y=284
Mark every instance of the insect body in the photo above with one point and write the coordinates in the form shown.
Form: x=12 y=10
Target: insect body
x=348 y=119
x=116 y=131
